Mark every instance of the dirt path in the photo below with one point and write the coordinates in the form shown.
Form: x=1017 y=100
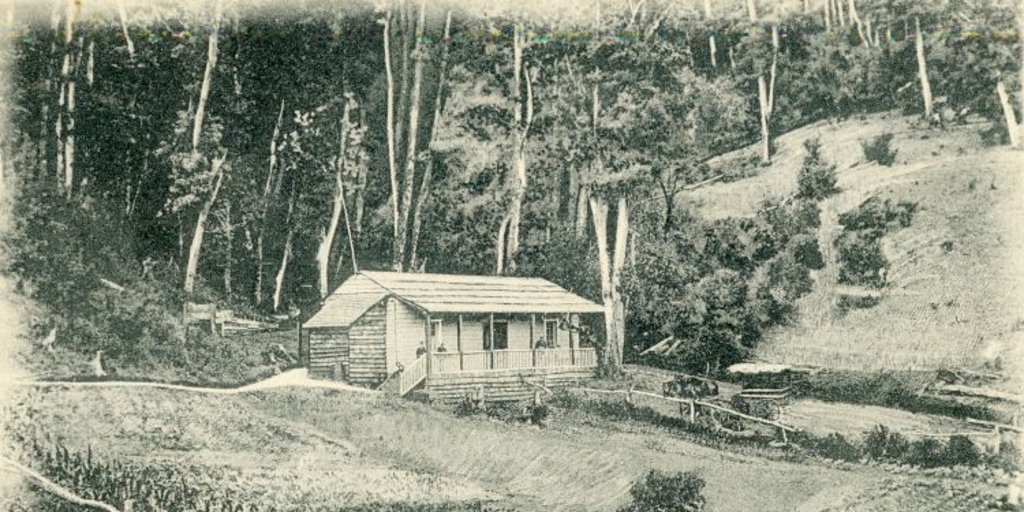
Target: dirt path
x=297 y=378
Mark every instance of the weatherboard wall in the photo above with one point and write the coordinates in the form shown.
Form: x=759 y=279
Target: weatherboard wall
x=328 y=352
x=367 y=348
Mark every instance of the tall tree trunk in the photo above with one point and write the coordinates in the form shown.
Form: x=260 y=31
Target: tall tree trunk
x=609 y=363
x=124 y=29
x=766 y=97
x=1011 y=120
x=204 y=91
x=286 y=255
x=409 y=175
x=855 y=19
x=839 y=13
x=499 y=247
x=582 y=200
x=64 y=128
x=521 y=126
x=618 y=262
x=922 y=70
x=323 y=254
x=827 y=8
x=421 y=197
x=229 y=237
x=392 y=166
x=268 y=188
x=217 y=166
x=713 y=49
x=752 y=10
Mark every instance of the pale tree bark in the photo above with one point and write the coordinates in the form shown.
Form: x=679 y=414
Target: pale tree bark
x=409 y=175
x=522 y=122
x=428 y=171
x=392 y=166
x=827 y=8
x=752 y=10
x=217 y=166
x=711 y=38
x=1011 y=120
x=922 y=70
x=405 y=28
x=229 y=237
x=855 y=19
x=582 y=200
x=766 y=98
x=500 y=243
x=268 y=188
x=204 y=91
x=286 y=255
x=609 y=361
x=90 y=64
x=839 y=13
x=124 y=29
x=618 y=262
x=65 y=125
x=323 y=253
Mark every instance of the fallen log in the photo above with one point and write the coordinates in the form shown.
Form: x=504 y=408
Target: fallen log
x=1000 y=426
x=960 y=389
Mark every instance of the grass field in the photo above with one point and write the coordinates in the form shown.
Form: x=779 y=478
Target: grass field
x=304 y=447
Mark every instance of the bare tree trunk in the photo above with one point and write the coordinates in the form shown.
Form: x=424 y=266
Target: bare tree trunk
x=323 y=254
x=268 y=187
x=499 y=254
x=766 y=97
x=922 y=69
x=839 y=13
x=855 y=19
x=65 y=125
x=752 y=10
x=711 y=38
x=229 y=237
x=392 y=166
x=204 y=92
x=609 y=362
x=197 y=235
x=287 y=254
x=216 y=163
x=827 y=8
x=618 y=261
x=124 y=29
x=90 y=64
x=582 y=200
x=409 y=177
x=406 y=32
x=522 y=132
x=1011 y=120
x=421 y=198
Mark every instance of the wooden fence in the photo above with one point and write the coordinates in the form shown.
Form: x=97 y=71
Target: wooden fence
x=412 y=375
x=693 y=405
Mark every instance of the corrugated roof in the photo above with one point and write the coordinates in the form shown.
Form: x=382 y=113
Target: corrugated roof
x=348 y=302
x=448 y=293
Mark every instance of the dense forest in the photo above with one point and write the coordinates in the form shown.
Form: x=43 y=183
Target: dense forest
x=256 y=159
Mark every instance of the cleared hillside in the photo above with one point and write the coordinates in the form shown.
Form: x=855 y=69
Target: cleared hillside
x=954 y=274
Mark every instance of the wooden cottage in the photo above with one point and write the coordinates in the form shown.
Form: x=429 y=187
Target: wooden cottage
x=450 y=334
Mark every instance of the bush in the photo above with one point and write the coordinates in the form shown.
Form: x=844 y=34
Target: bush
x=961 y=450
x=539 y=414
x=879 y=149
x=660 y=491
x=817 y=178
x=861 y=261
x=880 y=443
x=835 y=446
x=926 y=453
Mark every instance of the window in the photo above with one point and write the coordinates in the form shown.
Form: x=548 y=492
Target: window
x=551 y=333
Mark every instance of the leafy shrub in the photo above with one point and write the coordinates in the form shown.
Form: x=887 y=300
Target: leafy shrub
x=875 y=214
x=861 y=261
x=961 y=450
x=817 y=178
x=880 y=443
x=835 y=446
x=926 y=453
x=879 y=149
x=660 y=491
x=539 y=414
x=468 y=406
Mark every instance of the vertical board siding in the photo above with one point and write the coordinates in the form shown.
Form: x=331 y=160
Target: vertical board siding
x=409 y=332
x=367 y=348
x=328 y=352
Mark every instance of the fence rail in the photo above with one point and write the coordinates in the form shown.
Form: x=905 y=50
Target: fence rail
x=482 y=360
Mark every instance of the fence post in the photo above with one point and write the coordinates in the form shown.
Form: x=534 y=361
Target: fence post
x=693 y=411
x=629 y=395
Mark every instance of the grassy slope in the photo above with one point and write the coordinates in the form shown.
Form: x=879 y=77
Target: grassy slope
x=956 y=307
x=284 y=444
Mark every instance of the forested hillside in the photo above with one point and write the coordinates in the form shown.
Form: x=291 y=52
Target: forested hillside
x=256 y=158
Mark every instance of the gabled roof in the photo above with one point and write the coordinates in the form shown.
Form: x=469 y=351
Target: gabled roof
x=448 y=293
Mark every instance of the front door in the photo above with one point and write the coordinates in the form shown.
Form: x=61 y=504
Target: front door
x=500 y=335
